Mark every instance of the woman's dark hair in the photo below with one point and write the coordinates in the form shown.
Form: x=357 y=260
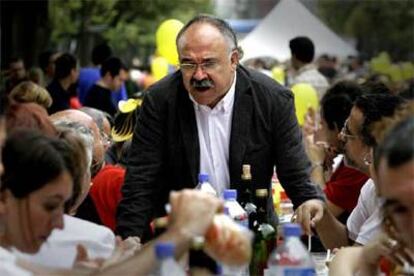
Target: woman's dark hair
x=31 y=160
x=374 y=107
x=337 y=103
x=398 y=145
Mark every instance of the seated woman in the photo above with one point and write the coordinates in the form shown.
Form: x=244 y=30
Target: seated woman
x=34 y=188
x=99 y=242
x=37 y=183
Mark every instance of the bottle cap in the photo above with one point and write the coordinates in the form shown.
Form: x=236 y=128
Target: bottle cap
x=292 y=229
x=261 y=193
x=246 y=174
x=230 y=194
x=161 y=222
x=164 y=249
x=203 y=177
x=197 y=242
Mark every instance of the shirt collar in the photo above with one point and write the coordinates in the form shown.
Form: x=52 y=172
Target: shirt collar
x=225 y=104
x=307 y=67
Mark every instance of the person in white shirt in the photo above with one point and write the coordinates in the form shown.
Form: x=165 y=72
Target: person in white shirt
x=212 y=116
x=303 y=51
x=393 y=250
x=364 y=221
x=35 y=185
x=61 y=249
x=38 y=181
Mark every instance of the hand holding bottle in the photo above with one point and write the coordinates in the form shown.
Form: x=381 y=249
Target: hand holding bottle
x=228 y=242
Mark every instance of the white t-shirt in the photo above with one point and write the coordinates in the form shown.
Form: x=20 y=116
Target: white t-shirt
x=60 y=251
x=8 y=266
x=364 y=223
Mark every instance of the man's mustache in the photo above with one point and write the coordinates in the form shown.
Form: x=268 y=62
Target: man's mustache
x=203 y=84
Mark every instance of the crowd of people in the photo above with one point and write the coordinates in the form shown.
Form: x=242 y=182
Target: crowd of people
x=82 y=163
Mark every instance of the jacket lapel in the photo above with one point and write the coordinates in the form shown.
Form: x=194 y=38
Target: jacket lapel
x=240 y=127
x=189 y=133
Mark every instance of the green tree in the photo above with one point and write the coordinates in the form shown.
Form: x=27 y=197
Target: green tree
x=129 y=26
x=381 y=25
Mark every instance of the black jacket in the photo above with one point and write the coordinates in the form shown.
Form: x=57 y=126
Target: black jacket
x=165 y=152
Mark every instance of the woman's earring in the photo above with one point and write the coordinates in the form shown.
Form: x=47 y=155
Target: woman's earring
x=367 y=159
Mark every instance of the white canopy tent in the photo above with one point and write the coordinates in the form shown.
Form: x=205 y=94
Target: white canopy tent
x=288 y=19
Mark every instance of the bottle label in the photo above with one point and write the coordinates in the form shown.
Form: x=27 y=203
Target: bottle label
x=299 y=271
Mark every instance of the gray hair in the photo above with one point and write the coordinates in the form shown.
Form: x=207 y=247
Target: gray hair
x=97 y=115
x=219 y=23
x=84 y=133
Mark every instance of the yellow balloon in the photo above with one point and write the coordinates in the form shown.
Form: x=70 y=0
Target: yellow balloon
x=395 y=72
x=305 y=97
x=165 y=38
x=278 y=74
x=159 y=67
x=407 y=70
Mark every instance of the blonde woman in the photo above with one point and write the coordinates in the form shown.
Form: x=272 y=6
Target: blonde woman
x=30 y=92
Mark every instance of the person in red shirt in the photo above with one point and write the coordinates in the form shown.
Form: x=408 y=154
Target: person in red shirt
x=342 y=187
x=105 y=192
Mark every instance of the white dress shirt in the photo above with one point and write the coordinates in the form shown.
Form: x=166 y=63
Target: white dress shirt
x=214 y=128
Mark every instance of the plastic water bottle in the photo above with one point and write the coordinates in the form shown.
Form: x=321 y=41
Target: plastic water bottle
x=291 y=258
x=232 y=270
x=164 y=252
x=204 y=184
x=236 y=212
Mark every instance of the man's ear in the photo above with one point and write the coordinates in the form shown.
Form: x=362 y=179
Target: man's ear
x=235 y=58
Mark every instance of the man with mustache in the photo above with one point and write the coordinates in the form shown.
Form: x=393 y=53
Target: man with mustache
x=212 y=116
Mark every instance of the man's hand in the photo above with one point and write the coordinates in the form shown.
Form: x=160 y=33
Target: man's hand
x=309 y=213
x=193 y=211
x=384 y=246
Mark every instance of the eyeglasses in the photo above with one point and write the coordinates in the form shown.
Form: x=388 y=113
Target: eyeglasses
x=205 y=66
x=106 y=139
x=346 y=133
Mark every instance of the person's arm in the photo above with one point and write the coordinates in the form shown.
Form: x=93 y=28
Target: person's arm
x=145 y=261
x=292 y=164
x=334 y=209
x=331 y=231
x=191 y=215
x=318 y=175
x=346 y=262
x=365 y=260
x=145 y=162
x=314 y=151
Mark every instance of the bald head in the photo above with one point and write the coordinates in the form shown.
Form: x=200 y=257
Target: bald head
x=72 y=115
